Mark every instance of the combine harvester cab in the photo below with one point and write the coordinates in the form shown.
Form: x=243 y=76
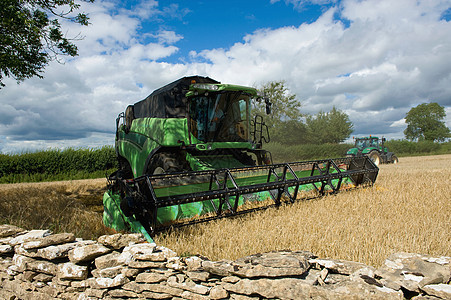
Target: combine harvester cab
x=190 y=153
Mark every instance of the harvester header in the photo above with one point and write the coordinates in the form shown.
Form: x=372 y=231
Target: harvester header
x=192 y=152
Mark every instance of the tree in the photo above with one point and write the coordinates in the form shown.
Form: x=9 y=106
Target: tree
x=328 y=127
x=425 y=122
x=284 y=122
x=31 y=35
x=284 y=106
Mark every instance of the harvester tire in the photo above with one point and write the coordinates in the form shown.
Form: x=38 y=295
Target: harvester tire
x=394 y=159
x=375 y=157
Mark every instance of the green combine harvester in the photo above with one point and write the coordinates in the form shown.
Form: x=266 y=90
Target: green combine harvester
x=190 y=152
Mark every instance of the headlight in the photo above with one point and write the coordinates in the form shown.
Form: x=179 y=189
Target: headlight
x=203 y=86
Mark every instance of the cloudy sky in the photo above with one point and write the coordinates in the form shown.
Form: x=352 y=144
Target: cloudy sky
x=373 y=59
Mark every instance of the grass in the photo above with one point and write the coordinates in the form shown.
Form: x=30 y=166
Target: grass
x=64 y=206
x=408 y=210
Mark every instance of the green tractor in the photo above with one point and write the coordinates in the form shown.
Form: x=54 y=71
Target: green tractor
x=191 y=152
x=374 y=148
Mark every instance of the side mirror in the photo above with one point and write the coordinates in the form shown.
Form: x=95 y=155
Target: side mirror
x=268 y=106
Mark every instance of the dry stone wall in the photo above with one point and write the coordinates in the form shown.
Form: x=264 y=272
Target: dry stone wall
x=39 y=265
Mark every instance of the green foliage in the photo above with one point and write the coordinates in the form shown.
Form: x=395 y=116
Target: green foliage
x=425 y=122
x=405 y=147
x=328 y=127
x=286 y=125
x=57 y=165
x=29 y=39
x=284 y=107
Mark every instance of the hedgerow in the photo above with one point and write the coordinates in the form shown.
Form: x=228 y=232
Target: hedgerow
x=57 y=164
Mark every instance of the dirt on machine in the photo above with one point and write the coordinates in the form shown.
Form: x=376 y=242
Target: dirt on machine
x=192 y=152
x=374 y=148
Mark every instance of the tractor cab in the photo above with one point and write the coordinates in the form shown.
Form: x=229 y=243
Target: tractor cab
x=368 y=142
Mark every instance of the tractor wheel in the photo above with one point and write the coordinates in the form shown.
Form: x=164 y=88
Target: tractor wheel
x=375 y=157
x=394 y=159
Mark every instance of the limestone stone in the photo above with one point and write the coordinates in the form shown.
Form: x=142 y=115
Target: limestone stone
x=79 y=284
x=291 y=288
x=71 y=271
x=188 y=285
x=337 y=265
x=144 y=264
x=7 y=295
x=24 y=263
x=424 y=297
x=29 y=275
x=274 y=264
x=193 y=296
x=87 y=253
x=242 y=297
x=10 y=230
x=106 y=283
x=218 y=292
x=413 y=271
x=152 y=295
x=334 y=278
x=151 y=277
x=136 y=287
x=54 y=239
x=441 y=290
x=198 y=276
x=221 y=268
x=230 y=279
x=152 y=287
x=128 y=253
x=6 y=249
x=95 y=293
x=175 y=263
x=51 y=252
x=193 y=263
x=130 y=272
x=159 y=288
x=108 y=260
x=108 y=272
x=118 y=293
x=43 y=277
x=119 y=241
x=155 y=256
x=29 y=236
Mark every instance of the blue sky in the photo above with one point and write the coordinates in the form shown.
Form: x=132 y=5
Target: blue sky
x=220 y=24
x=373 y=59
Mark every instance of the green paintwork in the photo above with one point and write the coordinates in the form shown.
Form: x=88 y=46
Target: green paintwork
x=366 y=145
x=115 y=219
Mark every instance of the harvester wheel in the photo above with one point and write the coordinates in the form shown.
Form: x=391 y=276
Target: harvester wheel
x=394 y=159
x=375 y=157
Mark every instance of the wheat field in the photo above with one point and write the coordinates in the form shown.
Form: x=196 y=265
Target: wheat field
x=408 y=209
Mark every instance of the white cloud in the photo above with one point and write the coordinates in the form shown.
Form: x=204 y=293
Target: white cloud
x=393 y=56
